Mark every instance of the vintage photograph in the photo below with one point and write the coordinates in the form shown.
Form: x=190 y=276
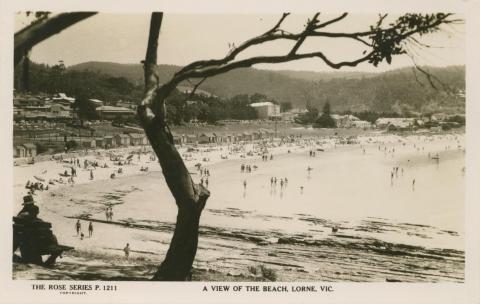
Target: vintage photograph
x=286 y=147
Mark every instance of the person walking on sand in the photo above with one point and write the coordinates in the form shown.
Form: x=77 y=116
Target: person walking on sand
x=245 y=184
x=91 y=174
x=90 y=229
x=127 y=250
x=413 y=185
x=78 y=226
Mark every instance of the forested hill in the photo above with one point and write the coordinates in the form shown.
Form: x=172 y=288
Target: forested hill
x=397 y=90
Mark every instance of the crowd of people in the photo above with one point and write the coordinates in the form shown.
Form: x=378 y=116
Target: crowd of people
x=256 y=153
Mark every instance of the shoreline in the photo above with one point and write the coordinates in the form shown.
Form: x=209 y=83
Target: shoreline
x=149 y=232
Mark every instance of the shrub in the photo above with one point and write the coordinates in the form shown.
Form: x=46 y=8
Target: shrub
x=71 y=144
x=268 y=273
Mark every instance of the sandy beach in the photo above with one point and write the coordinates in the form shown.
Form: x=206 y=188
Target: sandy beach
x=388 y=226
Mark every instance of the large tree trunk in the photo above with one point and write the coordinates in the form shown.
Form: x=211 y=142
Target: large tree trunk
x=24 y=79
x=190 y=198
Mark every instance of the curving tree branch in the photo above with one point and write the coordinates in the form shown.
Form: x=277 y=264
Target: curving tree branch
x=35 y=33
x=383 y=42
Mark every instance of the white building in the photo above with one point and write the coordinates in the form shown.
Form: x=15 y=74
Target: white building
x=345 y=121
x=266 y=109
x=396 y=122
x=361 y=124
x=96 y=102
x=62 y=98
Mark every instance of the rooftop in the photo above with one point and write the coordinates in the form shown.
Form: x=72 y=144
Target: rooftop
x=261 y=104
x=114 y=109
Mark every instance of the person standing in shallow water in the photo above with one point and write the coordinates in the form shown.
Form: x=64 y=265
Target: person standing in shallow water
x=78 y=226
x=127 y=250
x=90 y=229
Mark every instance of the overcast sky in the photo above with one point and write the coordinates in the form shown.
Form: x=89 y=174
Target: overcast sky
x=185 y=38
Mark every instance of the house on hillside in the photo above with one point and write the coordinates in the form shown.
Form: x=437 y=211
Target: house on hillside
x=400 y=123
x=113 y=113
x=344 y=121
x=439 y=117
x=361 y=124
x=28 y=101
x=124 y=104
x=266 y=109
x=63 y=99
x=61 y=111
x=96 y=102
x=122 y=140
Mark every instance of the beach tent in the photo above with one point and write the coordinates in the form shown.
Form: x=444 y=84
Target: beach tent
x=122 y=140
x=206 y=138
x=137 y=139
x=30 y=150
x=191 y=139
x=20 y=151
x=109 y=142
x=99 y=142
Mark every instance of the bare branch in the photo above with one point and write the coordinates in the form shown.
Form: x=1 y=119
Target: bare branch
x=430 y=77
x=310 y=27
x=196 y=87
x=416 y=78
x=35 y=33
x=380 y=19
x=271 y=59
x=277 y=25
x=334 y=20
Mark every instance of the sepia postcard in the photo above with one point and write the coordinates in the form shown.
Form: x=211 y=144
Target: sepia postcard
x=244 y=152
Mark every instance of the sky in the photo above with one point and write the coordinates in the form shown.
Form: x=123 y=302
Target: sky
x=185 y=38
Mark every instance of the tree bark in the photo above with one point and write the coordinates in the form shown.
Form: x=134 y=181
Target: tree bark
x=190 y=198
x=25 y=74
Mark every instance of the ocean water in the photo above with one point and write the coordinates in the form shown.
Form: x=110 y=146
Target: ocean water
x=346 y=188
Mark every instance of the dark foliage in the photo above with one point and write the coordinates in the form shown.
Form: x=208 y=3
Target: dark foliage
x=325 y=120
x=400 y=89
